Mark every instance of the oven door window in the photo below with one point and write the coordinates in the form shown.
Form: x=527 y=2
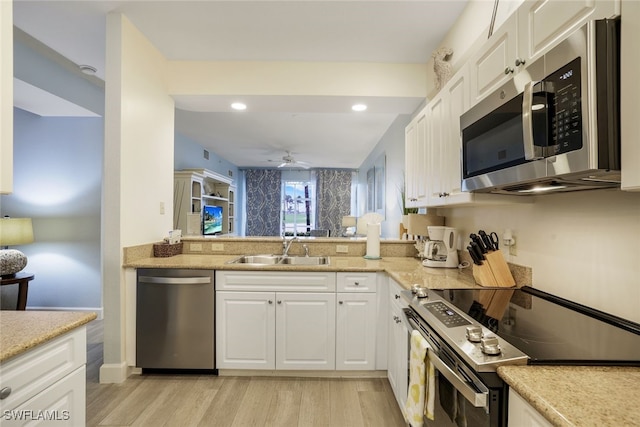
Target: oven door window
x=453 y=410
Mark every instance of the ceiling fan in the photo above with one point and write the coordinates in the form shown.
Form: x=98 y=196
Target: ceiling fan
x=289 y=161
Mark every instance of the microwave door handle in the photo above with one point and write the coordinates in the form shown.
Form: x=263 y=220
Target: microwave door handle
x=527 y=123
x=479 y=400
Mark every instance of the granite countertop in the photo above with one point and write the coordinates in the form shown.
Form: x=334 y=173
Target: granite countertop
x=579 y=395
x=407 y=271
x=23 y=330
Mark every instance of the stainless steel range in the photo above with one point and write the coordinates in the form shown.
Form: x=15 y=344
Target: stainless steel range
x=472 y=332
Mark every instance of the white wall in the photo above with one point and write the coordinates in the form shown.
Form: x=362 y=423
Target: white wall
x=392 y=146
x=581 y=246
x=138 y=172
x=58 y=176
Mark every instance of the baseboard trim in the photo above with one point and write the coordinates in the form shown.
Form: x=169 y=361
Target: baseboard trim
x=301 y=374
x=111 y=373
x=97 y=310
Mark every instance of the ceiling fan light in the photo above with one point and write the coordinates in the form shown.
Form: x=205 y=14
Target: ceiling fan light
x=239 y=106
x=359 y=107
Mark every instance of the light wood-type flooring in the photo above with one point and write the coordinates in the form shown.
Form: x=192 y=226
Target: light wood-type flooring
x=201 y=400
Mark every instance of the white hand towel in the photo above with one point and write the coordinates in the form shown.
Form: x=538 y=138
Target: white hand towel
x=420 y=396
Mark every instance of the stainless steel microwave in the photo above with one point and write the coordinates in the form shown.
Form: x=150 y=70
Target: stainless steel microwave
x=555 y=126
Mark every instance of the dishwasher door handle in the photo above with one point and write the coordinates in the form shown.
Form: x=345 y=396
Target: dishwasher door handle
x=175 y=280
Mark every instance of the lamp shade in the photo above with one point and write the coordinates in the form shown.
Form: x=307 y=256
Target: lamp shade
x=348 y=221
x=15 y=231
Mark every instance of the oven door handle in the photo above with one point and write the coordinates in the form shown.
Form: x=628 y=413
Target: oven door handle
x=479 y=400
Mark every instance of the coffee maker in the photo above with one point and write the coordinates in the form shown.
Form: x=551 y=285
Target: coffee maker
x=440 y=249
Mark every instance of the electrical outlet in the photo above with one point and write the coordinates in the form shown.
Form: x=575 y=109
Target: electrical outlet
x=161 y=208
x=195 y=247
x=342 y=249
x=513 y=251
x=217 y=247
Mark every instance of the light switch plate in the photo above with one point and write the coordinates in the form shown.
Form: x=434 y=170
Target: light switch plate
x=195 y=247
x=217 y=247
x=342 y=249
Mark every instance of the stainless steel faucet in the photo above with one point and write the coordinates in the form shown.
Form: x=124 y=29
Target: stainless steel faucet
x=286 y=244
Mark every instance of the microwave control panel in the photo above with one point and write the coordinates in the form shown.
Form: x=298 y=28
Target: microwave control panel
x=566 y=113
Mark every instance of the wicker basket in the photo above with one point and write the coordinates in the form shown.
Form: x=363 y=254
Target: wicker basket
x=164 y=250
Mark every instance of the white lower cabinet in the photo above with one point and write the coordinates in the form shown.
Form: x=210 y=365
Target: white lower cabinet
x=46 y=385
x=356 y=331
x=522 y=414
x=275 y=330
x=245 y=330
x=297 y=321
x=305 y=331
x=398 y=355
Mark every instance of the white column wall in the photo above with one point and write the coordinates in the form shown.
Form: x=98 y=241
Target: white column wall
x=138 y=172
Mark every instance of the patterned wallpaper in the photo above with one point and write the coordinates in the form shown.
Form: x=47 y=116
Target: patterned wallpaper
x=333 y=199
x=263 y=188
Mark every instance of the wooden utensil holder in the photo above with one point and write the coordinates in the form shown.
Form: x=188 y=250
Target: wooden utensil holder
x=494 y=271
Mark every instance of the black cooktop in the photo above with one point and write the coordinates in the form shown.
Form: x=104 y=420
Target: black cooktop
x=553 y=330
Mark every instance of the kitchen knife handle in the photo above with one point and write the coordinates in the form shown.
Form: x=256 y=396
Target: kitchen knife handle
x=477 y=251
x=474 y=256
x=486 y=240
x=478 y=241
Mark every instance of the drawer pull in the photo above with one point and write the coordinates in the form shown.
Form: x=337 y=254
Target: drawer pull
x=5 y=392
x=397 y=296
x=356 y=283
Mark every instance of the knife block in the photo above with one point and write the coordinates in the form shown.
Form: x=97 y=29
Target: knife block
x=494 y=271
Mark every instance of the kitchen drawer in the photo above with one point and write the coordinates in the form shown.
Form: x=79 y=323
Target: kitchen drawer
x=357 y=282
x=30 y=373
x=394 y=295
x=276 y=281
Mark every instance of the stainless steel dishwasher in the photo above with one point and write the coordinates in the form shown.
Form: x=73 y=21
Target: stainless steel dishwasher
x=175 y=319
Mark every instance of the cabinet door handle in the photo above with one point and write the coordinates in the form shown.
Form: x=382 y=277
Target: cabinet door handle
x=519 y=62
x=396 y=318
x=340 y=302
x=356 y=283
x=397 y=296
x=279 y=302
x=5 y=392
x=508 y=70
x=270 y=302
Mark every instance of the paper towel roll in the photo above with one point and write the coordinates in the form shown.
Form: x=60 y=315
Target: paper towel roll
x=373 y=241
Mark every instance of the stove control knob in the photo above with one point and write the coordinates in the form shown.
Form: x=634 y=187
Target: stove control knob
x=474 y=333
x=421 y=293
x=490 y=345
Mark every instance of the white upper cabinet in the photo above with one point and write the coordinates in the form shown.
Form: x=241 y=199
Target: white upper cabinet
x=494 y=63
x=444 y=142
x=416 y=161
x=543 y=24
x=536 y=27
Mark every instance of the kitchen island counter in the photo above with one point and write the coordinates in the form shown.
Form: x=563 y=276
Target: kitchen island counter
x=579 y=395
x=21 y=331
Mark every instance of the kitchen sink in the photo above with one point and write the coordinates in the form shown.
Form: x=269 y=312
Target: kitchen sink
x=305 y=260
x=279 y=259
x=257 y=259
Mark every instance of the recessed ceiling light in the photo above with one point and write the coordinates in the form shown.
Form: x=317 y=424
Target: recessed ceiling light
x=359 y=107
x=88 y=69
x=239 y=106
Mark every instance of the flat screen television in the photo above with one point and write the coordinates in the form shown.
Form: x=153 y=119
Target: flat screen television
x=211 y=220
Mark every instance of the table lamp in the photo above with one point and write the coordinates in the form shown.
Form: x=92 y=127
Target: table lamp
x=14 y=231
x=349 y=224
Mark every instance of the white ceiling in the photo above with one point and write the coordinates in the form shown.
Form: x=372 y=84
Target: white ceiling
x=320 y=131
